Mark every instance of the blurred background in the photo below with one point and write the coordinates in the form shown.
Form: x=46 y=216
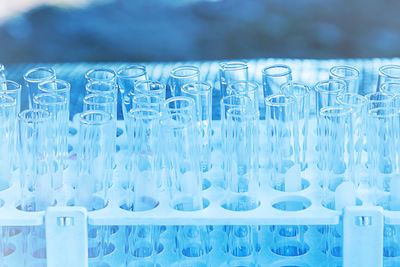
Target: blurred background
x=179 y=30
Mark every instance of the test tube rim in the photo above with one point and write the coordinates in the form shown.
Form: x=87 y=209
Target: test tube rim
x=382 y=72
x=325 y=112
x=253 y=84
x=91 y=96
x=381 y=88
x=13 y=101
x=36 y=80
x=66 y=88
x=62 y=100
x=324 y=91
x=124 y=68
x=367 y=96
x=185 y=88
x=294 y=83
x=162 y=87
x=175 y=98
x=107 y=117
x=346 y=67
x=233 y=65
x=363 y=99
x=372 y=112
x=280 y=104
x=275 y=66
x=45 y=116
x=154 y=113
x=92 y=79
x=196 y=72
x=94 y=91
x=17 y=89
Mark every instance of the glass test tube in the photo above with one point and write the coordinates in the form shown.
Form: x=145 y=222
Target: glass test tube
x=104 y=103
x=145 y=101
x=379 y=100
x=127 y=77
x=36 y=174
x=143 y=190
x=100 y=75
x=181 y=105
x=302 y=94
x=241 y=161
x=151 y=88
x=392 y=88
x=56 y=105
x=388 y=73
x=2 y=73
x=350 y=75
x=230 y=72
x=228 y=102
x=7 y=139
x=201 y=93
x=274 y=77
x=326 y=93
x=358 y=106
x=246 y=88
x=35 y=76
x=104 y=88
x=180 y=76
x=284 y=137
x=144 y=151
x=58 y=87
x=13 y=89
x=95 y=154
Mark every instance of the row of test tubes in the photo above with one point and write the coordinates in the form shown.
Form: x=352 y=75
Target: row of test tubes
x=170 y=150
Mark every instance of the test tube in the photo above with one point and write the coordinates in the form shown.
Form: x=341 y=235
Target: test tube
x=94 y=157
x=104 y=103
x=201 y=93
x=152 y=88
x=36 y=173
x=58 y=87
x=326 y=93
x=13 y=89
x=143 y=190
x=231 y=72
x=145 y=160
x=35 y=76
x=181 y=105
x=302 y=94
x=392 y=88
x=241 y=161
x=180 y=76
x=101 y=75
x=104 y=88
x=350 y=75
x=2 y=73
x=127 y=76
x=7 y=139
x=358 y=106
x=388 y=73
x=379 y=100
x=284 y=137
x=274 y=77
x=56 y=105
x=246 y=88
x=228 y=102
x=147 y=101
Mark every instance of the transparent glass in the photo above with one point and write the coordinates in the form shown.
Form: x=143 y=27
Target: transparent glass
x=34 y=77
x=145 y=159
x=180 y=76
x=7 y=139
x=183 y=156
x=243 y=245
x=58 y=87
x=2 y=73
x=104 y=103
x=302 y=94
x=127 y=76
x=350 y=75
x=101 y=75
x=358 y=106
x=104 y=88
x=57 y=106
x=326 y=93
x=388 y=73
x=380 y=100
x=336 y=160
x=382 y=138
x=95 y=159
x=143 y=243
x=247 y=88
x=289 y=241
x=145 y=101
x=230 y=72
x=201 y=93
x=274 y=77
x=241 y=160
x=148 y=92
x=284 y=137
x=36 y=178
x=181 y=105
x=392 y=88
x=227 y=103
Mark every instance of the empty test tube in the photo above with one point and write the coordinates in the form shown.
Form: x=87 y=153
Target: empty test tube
x=37 y=175
x=326 y=93
x=104 y=103
x=57 y=106
x=388 y=73
x=379 y=100
x=104 y=88
x=350 y=75
x=58 y=87
x=302 y=94
x=95 y=159
x=151 y=88
x=181 y=105
x=34 y=77
x=7 y=139
x=180 y=76
x=274 y=77
x=127 y=76
x=392 y=88
x=230 y=72
x=247 y=88
x=101 y=75
x=201 y=93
